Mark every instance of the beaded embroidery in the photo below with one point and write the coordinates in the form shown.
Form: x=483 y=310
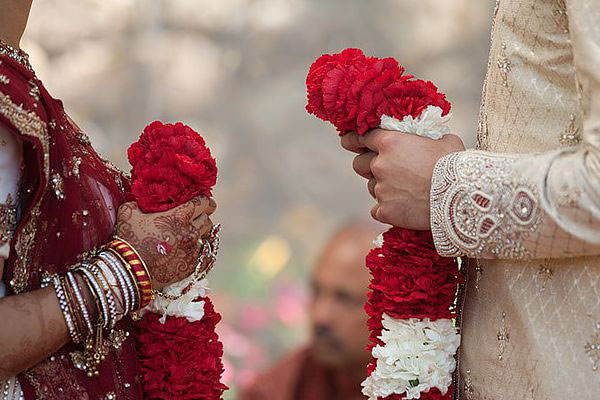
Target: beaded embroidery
x=16 y=54
x=477 y=209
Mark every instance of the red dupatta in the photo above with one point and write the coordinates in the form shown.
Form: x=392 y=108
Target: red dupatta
x=68 y=200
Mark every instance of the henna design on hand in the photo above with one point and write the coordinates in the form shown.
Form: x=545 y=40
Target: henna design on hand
x=169 y=242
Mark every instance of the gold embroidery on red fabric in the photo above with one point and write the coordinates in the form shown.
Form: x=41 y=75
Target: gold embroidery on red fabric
x=51 y=379
x=8 y=219
x=28 y=123
x=24 y=242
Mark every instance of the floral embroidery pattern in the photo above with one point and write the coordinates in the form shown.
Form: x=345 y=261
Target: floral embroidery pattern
x=476 y=209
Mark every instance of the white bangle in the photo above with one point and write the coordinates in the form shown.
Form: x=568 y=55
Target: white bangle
x=110 y=266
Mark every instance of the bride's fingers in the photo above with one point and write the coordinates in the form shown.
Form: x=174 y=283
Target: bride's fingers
x=212 y=206
x=126 y=210
x=197 y=205
x=205 y=204
x=202 y=224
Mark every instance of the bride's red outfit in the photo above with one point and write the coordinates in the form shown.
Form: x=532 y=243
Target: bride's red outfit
x=68 y=201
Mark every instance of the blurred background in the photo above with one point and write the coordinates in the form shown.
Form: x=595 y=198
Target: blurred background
x=235 y=71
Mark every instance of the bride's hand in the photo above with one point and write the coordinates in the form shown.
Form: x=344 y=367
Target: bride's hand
x=169 y=242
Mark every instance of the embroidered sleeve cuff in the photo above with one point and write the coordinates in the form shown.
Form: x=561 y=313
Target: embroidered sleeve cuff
x=480 y=207
x=441 y=182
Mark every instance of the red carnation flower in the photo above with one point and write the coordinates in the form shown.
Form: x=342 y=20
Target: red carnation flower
x=171 y=165
x=412 y=97
x=320 y=69
x=353 y=92
x=410 y=279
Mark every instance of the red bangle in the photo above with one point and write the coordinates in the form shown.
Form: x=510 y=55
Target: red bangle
x=137 y=266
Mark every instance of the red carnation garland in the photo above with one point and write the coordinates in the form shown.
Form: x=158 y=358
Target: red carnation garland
x=410 y=281
x=179 y=358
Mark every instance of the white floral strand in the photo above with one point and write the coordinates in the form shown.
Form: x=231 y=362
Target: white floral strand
x=378 y=242
x=183 y=306
x=429 y=124
x=418 y=355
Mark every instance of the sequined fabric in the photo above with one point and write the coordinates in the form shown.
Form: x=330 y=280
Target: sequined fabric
x=11 y=390
x=528 y=207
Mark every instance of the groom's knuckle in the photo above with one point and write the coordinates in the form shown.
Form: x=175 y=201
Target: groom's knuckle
x=379 y=191
x=377 y=166
x=386 y=215
x=453 y=140
x=384 y=140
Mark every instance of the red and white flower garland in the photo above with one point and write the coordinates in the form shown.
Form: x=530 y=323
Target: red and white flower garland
x=179 y=351
x=412 y=290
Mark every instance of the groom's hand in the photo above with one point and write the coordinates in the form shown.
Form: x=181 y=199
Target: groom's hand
x=398 y=168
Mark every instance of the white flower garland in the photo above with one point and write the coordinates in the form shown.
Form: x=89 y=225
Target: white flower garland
x=418 y=355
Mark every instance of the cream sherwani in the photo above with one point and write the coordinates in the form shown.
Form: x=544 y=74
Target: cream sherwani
x=526 y=206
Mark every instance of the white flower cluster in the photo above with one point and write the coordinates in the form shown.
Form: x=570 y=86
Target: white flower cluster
x=429 y=124
x=183 y=306
x=418 y=355
x=378 y=242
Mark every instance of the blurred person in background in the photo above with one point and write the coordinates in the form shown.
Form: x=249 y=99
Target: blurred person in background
x=333 y=365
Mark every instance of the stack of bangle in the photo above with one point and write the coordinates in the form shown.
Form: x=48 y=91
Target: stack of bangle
x=119 y=284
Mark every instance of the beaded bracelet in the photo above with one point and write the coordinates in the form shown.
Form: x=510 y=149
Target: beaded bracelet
x=119 y=283
x=64 y=307
x=80 y=302
x=112 y=318
x=93 y=282
x=96 y=299
x=127 y=276
x=108 y=275
x=76 y=314
x=106 y=265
